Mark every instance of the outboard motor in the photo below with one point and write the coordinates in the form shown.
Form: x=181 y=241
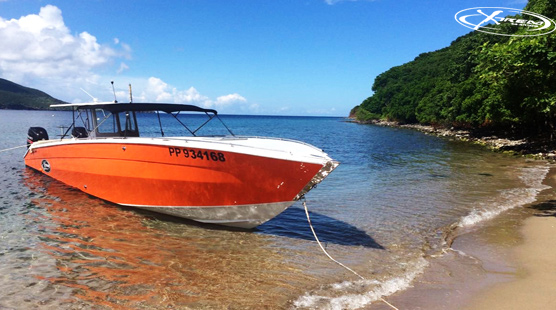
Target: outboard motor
x=35 y=134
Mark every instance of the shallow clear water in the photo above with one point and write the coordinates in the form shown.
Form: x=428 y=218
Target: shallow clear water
x=396 y=198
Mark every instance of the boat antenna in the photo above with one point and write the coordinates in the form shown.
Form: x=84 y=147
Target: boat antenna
x=114 y=91
x=130 y=95
x=95 y=100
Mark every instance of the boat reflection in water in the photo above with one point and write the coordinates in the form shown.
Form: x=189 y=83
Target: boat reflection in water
x=106 y=256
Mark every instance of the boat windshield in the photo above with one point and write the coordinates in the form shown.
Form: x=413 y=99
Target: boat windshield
x=107 y=124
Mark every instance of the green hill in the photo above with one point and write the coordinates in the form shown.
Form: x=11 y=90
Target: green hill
x=16 y=97
x=481 y=80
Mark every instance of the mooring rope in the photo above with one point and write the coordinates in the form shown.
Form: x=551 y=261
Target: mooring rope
x=334 y=260
x=13 y=148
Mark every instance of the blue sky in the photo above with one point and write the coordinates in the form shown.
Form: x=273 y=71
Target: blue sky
x=283 y=57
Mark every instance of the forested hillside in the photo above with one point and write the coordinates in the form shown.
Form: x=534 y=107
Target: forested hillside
x=480 y=80
x=17 y=97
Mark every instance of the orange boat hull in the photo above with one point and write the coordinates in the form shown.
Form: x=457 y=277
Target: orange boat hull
x=206 y=185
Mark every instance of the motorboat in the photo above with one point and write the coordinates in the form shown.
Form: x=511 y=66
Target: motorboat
x=230 y=180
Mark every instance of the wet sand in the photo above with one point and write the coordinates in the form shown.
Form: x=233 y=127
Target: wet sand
x=507 y=263
x=534 y=286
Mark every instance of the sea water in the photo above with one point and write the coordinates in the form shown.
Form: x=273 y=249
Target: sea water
x=397 y=199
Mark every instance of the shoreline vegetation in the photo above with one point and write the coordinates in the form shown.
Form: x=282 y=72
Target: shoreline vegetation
x=495 y=90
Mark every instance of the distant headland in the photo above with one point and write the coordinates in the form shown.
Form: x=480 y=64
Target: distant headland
x=17 y=97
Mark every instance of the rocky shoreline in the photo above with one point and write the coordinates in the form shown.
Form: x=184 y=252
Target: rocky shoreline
x=534 y=147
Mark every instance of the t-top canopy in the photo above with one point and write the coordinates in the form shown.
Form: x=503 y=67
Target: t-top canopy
x=122 y=107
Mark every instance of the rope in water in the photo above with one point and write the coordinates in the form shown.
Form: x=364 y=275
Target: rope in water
x=13 y=148
x=325 y=252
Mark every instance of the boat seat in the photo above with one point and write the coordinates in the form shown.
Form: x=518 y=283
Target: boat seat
x=79 y=132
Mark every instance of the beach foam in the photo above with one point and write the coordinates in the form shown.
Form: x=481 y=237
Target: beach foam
x=349 y=300
x=532 y=177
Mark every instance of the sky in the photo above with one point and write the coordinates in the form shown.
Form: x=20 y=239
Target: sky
x=260 y=57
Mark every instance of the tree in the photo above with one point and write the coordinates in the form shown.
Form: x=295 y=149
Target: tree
x=479 y=80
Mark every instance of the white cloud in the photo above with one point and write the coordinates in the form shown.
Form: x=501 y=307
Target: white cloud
x=122 y=68
x=229 y=99
x=190 y=96
x=156 y=90
x=40 y=51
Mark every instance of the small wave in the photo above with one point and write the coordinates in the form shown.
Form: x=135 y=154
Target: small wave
x=532 y=177
x=349 y=300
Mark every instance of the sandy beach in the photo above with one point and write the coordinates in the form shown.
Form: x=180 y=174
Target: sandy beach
x=534 y=286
